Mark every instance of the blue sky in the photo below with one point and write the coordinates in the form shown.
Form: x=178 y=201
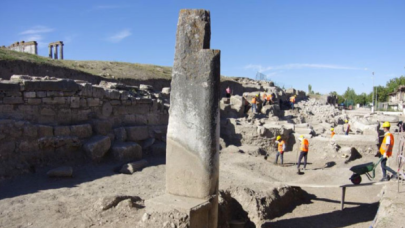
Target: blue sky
x=330 y=44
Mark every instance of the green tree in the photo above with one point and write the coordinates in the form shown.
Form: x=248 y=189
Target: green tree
x=393 y=84
x=310 y=89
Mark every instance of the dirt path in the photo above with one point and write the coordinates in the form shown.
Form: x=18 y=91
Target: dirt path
x=36 y=201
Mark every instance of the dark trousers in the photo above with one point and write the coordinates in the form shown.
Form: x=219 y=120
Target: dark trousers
x=264 y=102
x=292 y=105
x=281 y=155
x=384 y=168
x=305 y=156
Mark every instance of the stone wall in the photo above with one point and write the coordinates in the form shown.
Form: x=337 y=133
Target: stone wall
x=45 y=120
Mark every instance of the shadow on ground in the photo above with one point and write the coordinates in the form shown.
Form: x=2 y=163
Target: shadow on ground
x=345 y=218
x=35 y=182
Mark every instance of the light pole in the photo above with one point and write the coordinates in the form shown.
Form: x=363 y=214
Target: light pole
x=372 y=107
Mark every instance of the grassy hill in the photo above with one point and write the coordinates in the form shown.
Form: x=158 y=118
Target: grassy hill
x=107 y=69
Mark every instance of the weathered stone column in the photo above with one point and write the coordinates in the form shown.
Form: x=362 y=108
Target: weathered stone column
x=192 y=160
x=50 y=51
x=56 y=52
x=193 y=132
x=61 y=50
x=192 y=157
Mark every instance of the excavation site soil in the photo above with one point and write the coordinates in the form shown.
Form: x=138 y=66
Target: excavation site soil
x=36 y=201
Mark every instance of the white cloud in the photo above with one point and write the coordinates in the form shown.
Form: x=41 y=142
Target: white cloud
x=36 y=33
x=36 y=30
x=120 y=36
x=69 y=39
x=292 y=66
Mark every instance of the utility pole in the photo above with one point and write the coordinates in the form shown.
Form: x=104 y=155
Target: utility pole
x=372 y=108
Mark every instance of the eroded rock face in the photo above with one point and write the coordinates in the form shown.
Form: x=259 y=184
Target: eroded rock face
x=254 y=207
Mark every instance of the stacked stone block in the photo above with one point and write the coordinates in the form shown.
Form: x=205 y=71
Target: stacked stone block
x=45 y=120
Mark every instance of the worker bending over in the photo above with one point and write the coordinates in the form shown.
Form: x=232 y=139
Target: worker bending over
x=386 y=151
x=304 y=151
x=332 y=130
x=280 y=148
x=269 y=99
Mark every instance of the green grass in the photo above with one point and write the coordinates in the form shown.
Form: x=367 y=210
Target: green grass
x=107 y=69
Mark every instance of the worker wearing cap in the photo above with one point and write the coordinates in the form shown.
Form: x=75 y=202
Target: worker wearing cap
x=280 y=149
x=292 y=101
x=386 y=150
x=346 y=127
x=254 y=102
x=304 y=151
x=332 y=130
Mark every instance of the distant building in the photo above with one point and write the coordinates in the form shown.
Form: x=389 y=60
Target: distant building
x=396 y=99
x=27 y=47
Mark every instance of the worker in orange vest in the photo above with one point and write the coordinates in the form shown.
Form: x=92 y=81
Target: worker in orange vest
x=269 y=98
x=292 y=101
x=264 y=99
x=280 y=149
x=386 y=151
x=332 y=130
x=254 y=102
x=304 y=151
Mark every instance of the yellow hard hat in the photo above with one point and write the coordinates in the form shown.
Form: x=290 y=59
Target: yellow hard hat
x=386 y=124
x=332 y=129
x=278 y=137
x=346 y=121
x=257 y=95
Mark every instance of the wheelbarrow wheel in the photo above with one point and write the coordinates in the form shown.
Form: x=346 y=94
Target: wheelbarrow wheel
x=356 y=179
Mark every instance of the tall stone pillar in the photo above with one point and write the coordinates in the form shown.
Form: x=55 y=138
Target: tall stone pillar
x=61 y=51
x=56 y=52
x=192 y=159
x=50 y=51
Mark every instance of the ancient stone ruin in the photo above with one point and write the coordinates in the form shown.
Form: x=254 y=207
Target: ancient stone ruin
x=192 y=159
x=46 y=120
x=27 y=47
x=56 y=45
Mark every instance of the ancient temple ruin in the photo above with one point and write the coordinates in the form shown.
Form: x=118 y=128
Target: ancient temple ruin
x=56 y=45
x=27 y=47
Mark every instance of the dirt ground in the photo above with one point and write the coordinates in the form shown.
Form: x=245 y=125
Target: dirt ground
x=33 y=200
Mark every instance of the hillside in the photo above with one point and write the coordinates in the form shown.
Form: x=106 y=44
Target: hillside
x=106 y=69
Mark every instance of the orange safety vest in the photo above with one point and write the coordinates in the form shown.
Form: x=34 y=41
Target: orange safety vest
x=254 y=100
x=305 y=145
x=280 y=146
x=292 y=99
x=384 y=148
x=268 y=97
x=333 y=133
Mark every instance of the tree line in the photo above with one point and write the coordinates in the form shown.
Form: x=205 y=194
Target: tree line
x=350 y=97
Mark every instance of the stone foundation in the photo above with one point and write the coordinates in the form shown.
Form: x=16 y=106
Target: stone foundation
x=43 y=120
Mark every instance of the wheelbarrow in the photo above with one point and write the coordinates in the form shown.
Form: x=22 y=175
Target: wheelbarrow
x=359 y=170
